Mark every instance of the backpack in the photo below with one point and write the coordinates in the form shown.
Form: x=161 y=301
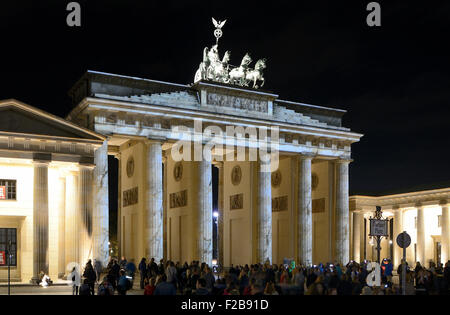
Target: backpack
x=129 y=284
x=125 y=284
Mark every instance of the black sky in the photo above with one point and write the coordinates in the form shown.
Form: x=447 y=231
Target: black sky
x=393 y=80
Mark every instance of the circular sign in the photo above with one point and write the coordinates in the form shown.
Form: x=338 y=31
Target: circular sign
x=236 y=175
x=276 y=178
x=178 y=171
x=218 y=33
x=130 y=166
x=403 y=240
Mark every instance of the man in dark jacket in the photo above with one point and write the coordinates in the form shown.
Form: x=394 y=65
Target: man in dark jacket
x=152 y=268
x=143 y=271
x=90 y=276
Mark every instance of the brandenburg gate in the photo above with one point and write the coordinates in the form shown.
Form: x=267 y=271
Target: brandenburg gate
x=283 y=165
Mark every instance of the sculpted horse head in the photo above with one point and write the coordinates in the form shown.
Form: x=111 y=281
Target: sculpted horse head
x=260 y=64
x=246 y=60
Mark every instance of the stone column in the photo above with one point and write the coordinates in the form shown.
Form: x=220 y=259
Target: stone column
x=85 y=215
x=445 y=234
x=72 y=220
x=357 y=218
x=40 y=219
x=342 y=213
x=154 y=202
x=100 y=219
x=398 y=228
x=305 y=223
x=165 y=212
x=421 y=235
x=220 y=236
x=264 y=214
x=61 y=226
x=204 y=212
x=119 y=207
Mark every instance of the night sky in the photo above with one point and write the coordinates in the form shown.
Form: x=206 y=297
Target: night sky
x=394 y=80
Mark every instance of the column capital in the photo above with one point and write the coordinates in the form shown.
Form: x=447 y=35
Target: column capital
x=218 y=164
x=85 y=166
x=397 y=208
x=42 y=158
x=343 y=161
x=155 y=139
x=443 y=203
x=306 y=156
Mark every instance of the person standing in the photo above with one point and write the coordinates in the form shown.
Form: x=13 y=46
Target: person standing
x=152 y=268
x=98 y=268
x=90 y=276
x=143 y=271
x=171 y=273
x=123 y=283
x=123 y=263
x=74 y=276
x=131 y=269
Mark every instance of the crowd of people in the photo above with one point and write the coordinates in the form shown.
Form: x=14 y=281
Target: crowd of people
x=169 y=278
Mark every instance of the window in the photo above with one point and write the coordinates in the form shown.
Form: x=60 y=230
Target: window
x=8 y=189
x=439 y=220
x=7 y=235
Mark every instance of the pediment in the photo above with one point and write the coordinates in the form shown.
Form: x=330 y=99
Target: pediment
x=20 y=118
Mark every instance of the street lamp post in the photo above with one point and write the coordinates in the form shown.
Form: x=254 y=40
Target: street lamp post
x=378 y=229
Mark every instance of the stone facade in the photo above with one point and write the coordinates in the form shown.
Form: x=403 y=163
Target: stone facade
x=133 y=111
x=294 y=206
x=58 y=208
x=422 y=214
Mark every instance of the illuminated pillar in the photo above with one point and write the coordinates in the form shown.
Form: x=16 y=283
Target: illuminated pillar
x=100 y=218
x=398 y=228
x=61 y=226
x=40 y=219
x=445 y=234
x=204 y=215
x=264 y=214
x=304 y=211
x=342 y=213
x=165 y=221
x=72 y=220
x=220 y=236
x=85 y=215
x=154 y=203
x=421 y=235
x=357 y=218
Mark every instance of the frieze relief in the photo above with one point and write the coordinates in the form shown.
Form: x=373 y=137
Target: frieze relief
x=236 y=202
x=178 y=199
x=237 y=102
x=279 y=204
x=130 y=197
